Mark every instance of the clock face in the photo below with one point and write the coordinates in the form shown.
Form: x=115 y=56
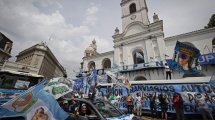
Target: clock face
x=133 y=17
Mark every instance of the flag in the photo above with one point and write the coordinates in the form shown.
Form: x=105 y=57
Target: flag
x=140 y=56
x=93 y=77
x=112 y=76
x=185 y=58
x=34 y=103
x=127 y=83
x=59 y=87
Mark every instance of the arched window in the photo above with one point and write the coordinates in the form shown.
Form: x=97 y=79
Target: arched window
x=139 y=78
x=106 y=63
x=132 y=8
x=138 y=57
x=213 y=45
x=91 y=65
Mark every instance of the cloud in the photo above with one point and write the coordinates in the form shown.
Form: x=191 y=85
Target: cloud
x=27 y=25
x=69 y=26
x=91 y=18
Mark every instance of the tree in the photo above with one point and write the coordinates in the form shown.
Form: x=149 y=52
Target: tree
x=211 y=22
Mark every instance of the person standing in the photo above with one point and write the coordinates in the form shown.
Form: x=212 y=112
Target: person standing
x=178 y=105
x=139 y=104
x=129 y=104
x=202 y=106
x=168 y=71
x=153 y=107
x=164 y=106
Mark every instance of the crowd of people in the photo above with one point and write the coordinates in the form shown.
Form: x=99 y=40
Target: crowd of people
x=135 y=104
x=160 y=102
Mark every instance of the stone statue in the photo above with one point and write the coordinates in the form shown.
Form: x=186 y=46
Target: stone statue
x=116 y=30
x=155 y=17
x=93 y=44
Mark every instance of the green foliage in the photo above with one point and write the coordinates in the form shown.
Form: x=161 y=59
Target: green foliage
x=211 y=22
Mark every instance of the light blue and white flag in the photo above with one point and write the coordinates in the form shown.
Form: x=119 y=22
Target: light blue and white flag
x=34 y=103
x=93 y=77
x=59 y=87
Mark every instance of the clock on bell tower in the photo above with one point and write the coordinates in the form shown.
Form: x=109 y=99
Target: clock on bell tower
x=134 y=10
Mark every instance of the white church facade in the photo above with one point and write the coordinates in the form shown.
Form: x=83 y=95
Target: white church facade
x=140 y=49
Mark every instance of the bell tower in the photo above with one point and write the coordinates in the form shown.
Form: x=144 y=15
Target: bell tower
x=134 y=10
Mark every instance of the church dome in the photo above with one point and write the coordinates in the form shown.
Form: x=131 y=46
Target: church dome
x=89 y=49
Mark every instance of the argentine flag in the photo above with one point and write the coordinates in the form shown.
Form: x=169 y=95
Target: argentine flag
x=34 y=103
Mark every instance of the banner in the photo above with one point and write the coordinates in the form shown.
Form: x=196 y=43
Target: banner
x=204 y=59
x=59 y=87
x=185 y=58
x=8 y=94
x=35 y=103
x=187 y=91
x=207 y=59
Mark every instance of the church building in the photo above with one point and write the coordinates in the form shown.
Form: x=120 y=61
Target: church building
x=140 y=49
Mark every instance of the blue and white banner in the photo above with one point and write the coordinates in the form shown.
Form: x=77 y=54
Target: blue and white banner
x=207 y=59
x=187 y=91
x=185 y=58
x=35 y=103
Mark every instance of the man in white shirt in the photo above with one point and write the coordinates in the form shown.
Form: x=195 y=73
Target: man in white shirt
x=168 y=71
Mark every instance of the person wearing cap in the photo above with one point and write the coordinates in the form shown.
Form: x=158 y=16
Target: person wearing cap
x=65 y=106
x=202 y=107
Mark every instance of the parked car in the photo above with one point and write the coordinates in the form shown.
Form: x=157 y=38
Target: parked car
x=97 y=110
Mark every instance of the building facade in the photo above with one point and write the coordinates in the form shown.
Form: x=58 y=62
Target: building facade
x=41 y=57
x=140 y=49
x=5 y=47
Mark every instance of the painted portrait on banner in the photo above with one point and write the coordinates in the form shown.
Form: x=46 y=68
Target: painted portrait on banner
x=185 y=58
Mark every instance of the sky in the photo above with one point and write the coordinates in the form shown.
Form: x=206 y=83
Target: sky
x=69 y=26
